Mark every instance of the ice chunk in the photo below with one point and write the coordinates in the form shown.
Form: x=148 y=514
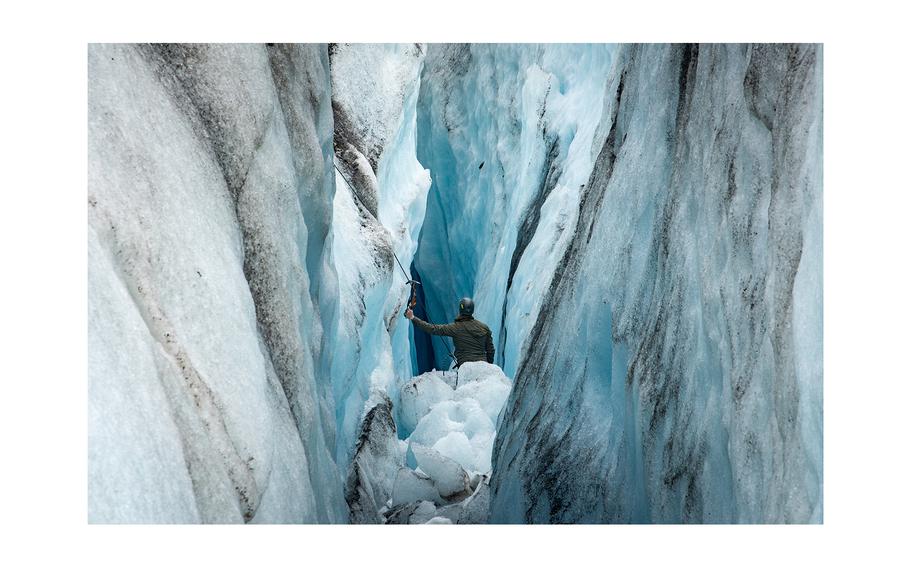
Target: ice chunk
x=410 y=486
x=490 y=396
x=461 y=431
x=479 y=371
x=476 y=508
x=399 y=514
x=451 y=511
x=418 y=396
x=439 y=521
x=423 y=513
x=461 y=424
x=456 y=446
x=450 y=478
x=375 y=465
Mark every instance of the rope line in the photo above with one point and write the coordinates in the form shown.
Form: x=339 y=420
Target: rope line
x=408 y=280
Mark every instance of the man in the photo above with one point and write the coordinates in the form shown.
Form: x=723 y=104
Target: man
x=473 y=339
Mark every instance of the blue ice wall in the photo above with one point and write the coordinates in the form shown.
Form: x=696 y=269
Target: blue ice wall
x=506 y=131
x=424 y=357
x=675 y=375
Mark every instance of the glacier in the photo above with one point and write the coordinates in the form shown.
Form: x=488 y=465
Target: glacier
x=680 y=398
x=210 y=286
x=639 y=225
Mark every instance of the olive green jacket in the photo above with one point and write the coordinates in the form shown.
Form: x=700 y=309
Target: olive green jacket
x=473 y=339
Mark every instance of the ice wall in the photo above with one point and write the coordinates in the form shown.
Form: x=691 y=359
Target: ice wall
x=378 y=209
x=209 y=208
x=674 y=374
x=506 y=131
x=639 y=225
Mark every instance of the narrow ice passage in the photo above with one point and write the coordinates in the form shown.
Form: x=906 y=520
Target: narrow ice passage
x=639 y=225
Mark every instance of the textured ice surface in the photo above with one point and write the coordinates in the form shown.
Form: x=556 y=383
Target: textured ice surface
x=447 y=454
x=449 y=477
x=641 y=227
x=675 y=375
x=374 y=99
x=377 y=459
x=209 y=204
x=476 y=508
x=463 y=426
x=527 y=114
x=411 y=486
x=424 y=513
x=418 y=396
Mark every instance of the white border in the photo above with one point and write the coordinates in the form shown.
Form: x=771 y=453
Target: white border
x=44 y=287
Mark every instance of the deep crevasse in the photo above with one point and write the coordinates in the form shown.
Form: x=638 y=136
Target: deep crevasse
x=658 y=281
x=506 y=131
x=644 y=238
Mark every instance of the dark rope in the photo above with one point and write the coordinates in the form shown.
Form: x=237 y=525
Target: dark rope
x=408 y=280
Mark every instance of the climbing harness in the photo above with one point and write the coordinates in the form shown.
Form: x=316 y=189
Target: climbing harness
x=408 y=280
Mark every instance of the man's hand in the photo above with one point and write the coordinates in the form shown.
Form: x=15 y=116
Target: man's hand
x=409 y=314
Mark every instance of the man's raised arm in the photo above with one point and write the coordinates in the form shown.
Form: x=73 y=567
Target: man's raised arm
x=431 y=328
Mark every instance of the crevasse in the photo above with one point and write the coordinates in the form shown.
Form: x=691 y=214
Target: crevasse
x=639 y=225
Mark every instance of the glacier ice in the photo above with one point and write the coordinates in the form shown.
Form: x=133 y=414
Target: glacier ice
x=645 y=234
x=418 y=396
x=448 y=476
x=463 y=426
x=423 y=514
x=377 y=458
x=378 y=210
x=667 y=378
x=444 y=460
x=529 y=114
x=411 y=486
x=476 y=508
x=208 y=206
x=640 y=226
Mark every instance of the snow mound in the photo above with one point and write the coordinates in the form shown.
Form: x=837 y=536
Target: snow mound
x=418 y=396
x=451 y=417
x=461 y=426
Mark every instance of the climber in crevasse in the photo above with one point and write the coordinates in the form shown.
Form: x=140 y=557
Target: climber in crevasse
x=473 y=339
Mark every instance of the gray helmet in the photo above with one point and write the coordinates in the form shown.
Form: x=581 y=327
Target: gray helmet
x=466 y=307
